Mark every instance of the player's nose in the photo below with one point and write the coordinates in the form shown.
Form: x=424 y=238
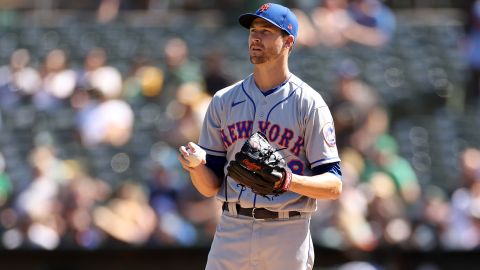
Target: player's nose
x=255 y=43
x=254 y=36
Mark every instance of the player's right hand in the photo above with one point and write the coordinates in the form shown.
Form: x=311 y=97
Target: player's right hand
x=191 y=156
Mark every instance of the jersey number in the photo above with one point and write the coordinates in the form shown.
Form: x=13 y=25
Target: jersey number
x=296 y=166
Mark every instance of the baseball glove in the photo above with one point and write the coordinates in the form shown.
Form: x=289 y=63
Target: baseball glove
x=260 y=167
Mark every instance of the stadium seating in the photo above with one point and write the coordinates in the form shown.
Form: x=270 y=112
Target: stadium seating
x=417 y=75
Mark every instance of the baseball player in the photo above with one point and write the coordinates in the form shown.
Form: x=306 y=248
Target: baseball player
x=266 y=232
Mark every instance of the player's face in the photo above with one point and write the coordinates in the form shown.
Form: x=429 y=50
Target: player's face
x=265 y=41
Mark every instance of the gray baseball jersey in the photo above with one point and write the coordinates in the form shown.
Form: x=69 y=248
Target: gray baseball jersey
x=294 y=117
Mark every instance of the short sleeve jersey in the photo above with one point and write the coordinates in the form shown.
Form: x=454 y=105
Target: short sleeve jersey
x=294 y=118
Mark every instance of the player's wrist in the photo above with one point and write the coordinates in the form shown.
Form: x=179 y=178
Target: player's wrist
x=195 y=168
x=284 y=184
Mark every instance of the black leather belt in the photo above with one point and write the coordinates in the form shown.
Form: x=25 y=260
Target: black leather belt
x=258 y=213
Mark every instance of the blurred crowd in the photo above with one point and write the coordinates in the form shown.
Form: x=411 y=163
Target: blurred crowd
x=114 y=180
x=338 y=22
x=383 y=203
x=472 y=48
x=150 y=113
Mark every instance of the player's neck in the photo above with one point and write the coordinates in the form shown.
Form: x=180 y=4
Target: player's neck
x=269 y=76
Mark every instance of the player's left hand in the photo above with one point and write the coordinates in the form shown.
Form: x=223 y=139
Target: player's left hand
x=259 y=167
x=191 y=156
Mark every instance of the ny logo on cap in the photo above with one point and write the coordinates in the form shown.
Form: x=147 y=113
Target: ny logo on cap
x=264 y=7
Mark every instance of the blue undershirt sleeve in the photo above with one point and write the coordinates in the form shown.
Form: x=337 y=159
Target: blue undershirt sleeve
x=333 y=167
x=216 y=164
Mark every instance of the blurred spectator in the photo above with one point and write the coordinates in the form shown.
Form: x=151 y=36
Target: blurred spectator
x=173 y=227
x=164 y=189
x=145 y=84
x=353 y=208
x=463 y=230
x=179 y=68
x=373 y=215
x=18 y=80
x=127 y=216
x=95 y=58
x=168 y=186
x=203 y=213
x=178 y=62
x=352 y=102
x=375 y=23
x=187 y=112
x=79 y=197
x=101 y=116
x=39 y=202
x=85 y=103
x=325 y=24
x=472 y=51
x=470 y=167
x=104 y=121
x=385 y=158
x=435 y=213
x=387 y=211
x=58 y=82
x=95 y=73
x=107 y=10
x=107 y=80
x=117 y=119
x=214 y=74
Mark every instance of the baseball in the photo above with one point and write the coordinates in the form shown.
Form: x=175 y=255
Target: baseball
x=196 y=156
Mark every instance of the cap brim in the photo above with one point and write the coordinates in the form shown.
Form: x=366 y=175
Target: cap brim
x=246 y=19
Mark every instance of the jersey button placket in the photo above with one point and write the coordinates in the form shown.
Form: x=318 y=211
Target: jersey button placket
x=263 y=110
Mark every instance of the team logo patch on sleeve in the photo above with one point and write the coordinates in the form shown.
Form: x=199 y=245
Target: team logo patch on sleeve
x=329 y=134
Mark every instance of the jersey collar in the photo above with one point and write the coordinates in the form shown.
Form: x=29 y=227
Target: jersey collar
x=273 y=90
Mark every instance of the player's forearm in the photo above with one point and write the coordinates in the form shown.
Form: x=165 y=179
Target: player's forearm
x=323 y=186
x=204 y=180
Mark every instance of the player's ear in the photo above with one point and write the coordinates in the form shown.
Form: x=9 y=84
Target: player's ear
x=289 y=41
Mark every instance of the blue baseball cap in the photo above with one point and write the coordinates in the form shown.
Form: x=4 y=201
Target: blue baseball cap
x=278 y=15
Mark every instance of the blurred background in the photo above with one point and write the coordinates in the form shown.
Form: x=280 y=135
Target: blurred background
x=96 y=96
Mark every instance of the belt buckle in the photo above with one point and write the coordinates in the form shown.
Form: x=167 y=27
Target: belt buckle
x=253 y=214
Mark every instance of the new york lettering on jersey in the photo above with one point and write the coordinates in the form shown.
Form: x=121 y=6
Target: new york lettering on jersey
x=247 y=109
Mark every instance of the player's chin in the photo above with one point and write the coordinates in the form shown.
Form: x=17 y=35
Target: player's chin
x=257 y=59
